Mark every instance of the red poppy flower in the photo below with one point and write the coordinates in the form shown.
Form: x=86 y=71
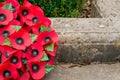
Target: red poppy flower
x=1 y=52
x=24 y=12
x=31 y=14
x=8 y=72
x=33 y=7
x=1 y=49
x=21 y=39
x=47 y=37
x=26 y=27
x=37 y=69
x=15 y=22
x=27 y=3
x=25 y=52
x=25 y=76
x=52 y=53
x=5 y=16
x=5 y=32
x=46 y=22
x=7 y=53
x=21 y=71
x=15 y=6
x=28 y=43
x=35 y=52
x=34 y=19
x=15 y=60
x=36 y=28
x=51 y=60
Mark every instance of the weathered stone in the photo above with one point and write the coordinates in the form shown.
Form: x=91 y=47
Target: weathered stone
x=108 y=8
x=87 y=40
x=91 y=72
x=88 y=53
x=95 y=11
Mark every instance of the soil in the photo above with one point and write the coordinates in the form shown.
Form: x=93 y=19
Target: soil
x=87 y=10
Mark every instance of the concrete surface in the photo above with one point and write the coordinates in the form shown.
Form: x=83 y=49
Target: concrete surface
x=108 y=8
x=91 y=39
x=90 y=72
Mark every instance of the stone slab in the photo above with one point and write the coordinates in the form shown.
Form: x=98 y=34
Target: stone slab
x=108 y=8
x=90 y=72
x=87 y=40
x=88 y=53
x=64 y=25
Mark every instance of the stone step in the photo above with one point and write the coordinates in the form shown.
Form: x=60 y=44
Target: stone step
x=87 y=40
x=108 y=8
x=90 y=72
x=90 y=39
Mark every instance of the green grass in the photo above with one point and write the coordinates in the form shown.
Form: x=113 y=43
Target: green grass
x=2 y=0
x=60 y=8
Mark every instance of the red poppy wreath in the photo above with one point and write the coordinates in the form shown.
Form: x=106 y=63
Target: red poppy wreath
x=27 y=42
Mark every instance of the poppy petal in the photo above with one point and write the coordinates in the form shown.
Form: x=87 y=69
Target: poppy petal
x=6 y=15
x=47 y=37
x=25 y=76
x=37 y=69
x=21 y=39
x=35 y=53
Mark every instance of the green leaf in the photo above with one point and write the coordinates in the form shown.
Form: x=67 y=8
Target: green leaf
x=43 y=28
x=48 y=68
x=50 y=47
x=17 y=28
x=45 y=57
x=24 y=61
x=8 y=6
x=33 y=36
x=7 y=42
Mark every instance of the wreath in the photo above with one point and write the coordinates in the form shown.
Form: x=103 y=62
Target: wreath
x=28 y=43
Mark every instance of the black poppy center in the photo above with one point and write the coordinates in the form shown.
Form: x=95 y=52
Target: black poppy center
x=14 y=8
x=35 y=52
x=14 y=60
x=6 y=73
x=25 y=12
x=2 y=17
x=47 y=39
x=35 y=20
x=5 y=34
x=6 y=55
x=35 y=67
x=19 y=41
